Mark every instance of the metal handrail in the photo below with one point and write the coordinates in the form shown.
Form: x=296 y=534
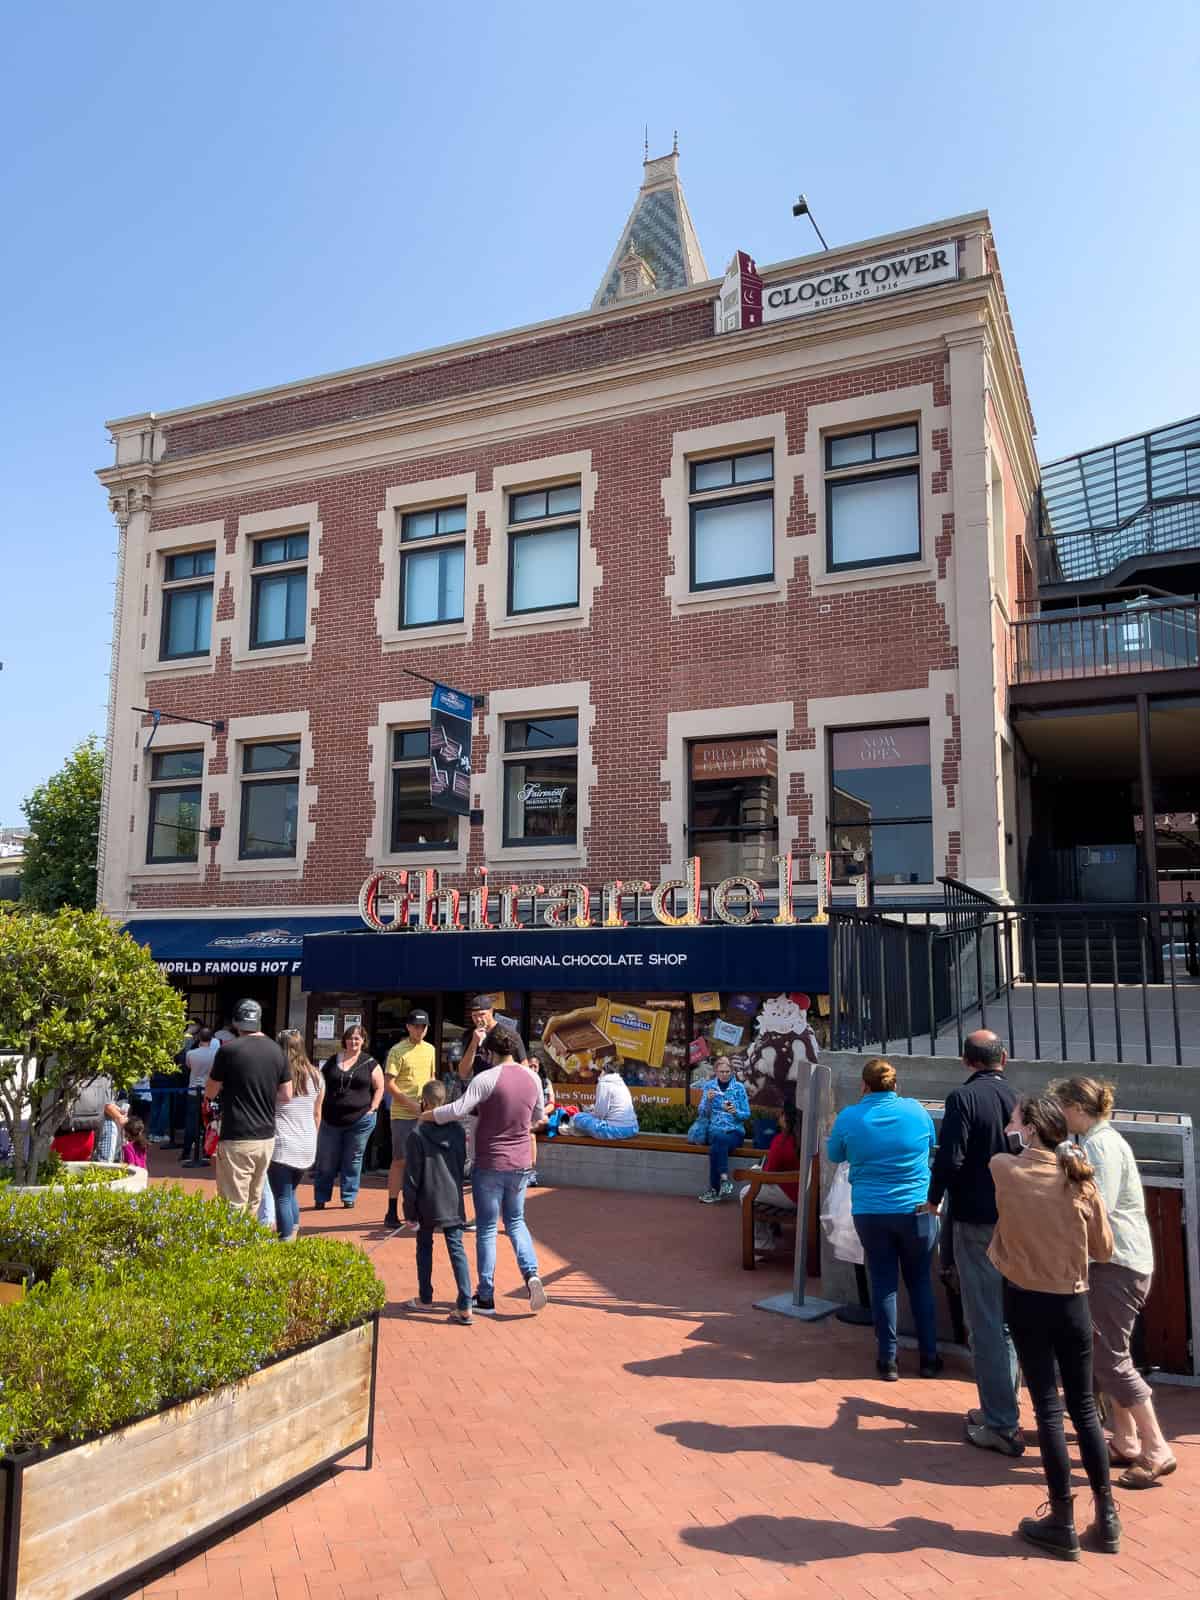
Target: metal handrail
x=1067 y=645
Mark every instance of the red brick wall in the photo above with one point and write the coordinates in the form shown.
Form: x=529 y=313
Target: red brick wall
x=575 y=350
x=641 y=661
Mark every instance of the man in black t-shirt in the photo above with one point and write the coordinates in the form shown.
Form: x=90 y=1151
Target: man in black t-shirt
x=251 y=1076
x=476 y=1057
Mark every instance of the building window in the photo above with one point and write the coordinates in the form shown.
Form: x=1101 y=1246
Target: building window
x=543 y=549
x=270 y=800
x=174 y=832
x=187 y=604
x=416 y=825
x=733 y=805
x=872 y=497
x=731 y=507
x=279 y=590
x=433 y=553
x=541 y=777
x=881 y=803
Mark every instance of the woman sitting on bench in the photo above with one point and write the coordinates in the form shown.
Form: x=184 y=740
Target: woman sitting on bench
x=783 y=1156
x=613 y=1116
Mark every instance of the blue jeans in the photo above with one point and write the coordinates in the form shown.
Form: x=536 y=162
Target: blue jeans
x=992 y=1349
x=895 y=1243
x=597 y=1128
x=339 y=1159
x=457 y=1252
x=500 y=1194
x=283 y=1180
x=719 y=1147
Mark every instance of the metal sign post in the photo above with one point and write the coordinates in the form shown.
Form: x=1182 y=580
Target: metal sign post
x=817 y=1117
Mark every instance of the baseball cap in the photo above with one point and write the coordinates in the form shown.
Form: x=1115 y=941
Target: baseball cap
x=247 y=1014
x=482 y=1002
x=418 y=1016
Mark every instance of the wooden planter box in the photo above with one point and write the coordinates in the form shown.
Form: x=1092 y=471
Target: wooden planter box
x=75 y=1520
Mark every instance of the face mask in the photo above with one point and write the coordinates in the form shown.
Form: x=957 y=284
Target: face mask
x=1015 y=1143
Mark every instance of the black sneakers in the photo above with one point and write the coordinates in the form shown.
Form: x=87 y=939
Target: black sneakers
x=483 y=1308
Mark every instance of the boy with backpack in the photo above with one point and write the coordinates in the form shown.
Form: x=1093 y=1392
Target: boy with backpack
x=435 y=1157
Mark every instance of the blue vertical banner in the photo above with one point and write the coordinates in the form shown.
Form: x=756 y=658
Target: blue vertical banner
x=450 y=714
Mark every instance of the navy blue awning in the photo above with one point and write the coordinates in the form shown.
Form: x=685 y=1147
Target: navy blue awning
x=213 y=946
x=647 y=959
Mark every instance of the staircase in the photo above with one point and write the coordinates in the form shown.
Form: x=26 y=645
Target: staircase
x=1089 y=936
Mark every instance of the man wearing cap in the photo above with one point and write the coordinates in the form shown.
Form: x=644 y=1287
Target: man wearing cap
x=410 y=1065
x=477 y=1057
x=252 y=1077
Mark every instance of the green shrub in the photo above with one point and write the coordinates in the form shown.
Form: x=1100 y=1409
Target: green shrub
x=665 y=1119
x=146 y=1300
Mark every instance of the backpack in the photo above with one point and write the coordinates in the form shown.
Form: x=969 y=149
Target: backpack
x=87 y=1112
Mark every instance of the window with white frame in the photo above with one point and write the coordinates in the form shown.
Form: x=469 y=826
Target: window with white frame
x=270 y=803
x=873 y=497
x=433 y=554
x=279 y=590
x=173 y=834
x=881 y=803
x=415 y=824
x=543 y=549
x=733 y=807
x=187 y=604
x=541 y=780
x=731 y=511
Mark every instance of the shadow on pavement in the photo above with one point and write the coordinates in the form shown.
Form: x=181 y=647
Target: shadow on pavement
x=800 y=1541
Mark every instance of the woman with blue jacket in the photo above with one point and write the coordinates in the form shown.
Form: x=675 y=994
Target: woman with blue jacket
x=720 y=1123
x=888 y=1142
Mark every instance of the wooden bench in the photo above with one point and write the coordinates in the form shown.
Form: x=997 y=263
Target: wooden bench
x=753 y=1208
x=675 y=1143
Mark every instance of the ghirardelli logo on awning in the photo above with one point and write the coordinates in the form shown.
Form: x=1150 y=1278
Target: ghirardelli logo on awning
x=260 y=938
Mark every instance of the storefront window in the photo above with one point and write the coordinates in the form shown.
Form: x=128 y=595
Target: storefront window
x=733 y=821
x=541 y=772
x=881 y=803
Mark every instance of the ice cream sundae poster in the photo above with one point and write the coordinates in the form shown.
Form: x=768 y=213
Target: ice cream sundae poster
x=450 y=713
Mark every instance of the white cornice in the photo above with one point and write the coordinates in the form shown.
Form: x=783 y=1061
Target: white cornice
x=529 y=332
x=754 y=359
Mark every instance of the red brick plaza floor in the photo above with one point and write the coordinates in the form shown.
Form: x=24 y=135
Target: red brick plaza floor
x=650 y=1434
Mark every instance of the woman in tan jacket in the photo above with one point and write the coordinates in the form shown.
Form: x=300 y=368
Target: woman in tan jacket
x=1052 y=1220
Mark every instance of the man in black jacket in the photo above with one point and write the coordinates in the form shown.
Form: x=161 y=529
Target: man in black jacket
x=973 y=1127
x=435 y=1159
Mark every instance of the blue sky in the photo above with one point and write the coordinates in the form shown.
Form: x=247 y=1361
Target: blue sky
x=203 y=200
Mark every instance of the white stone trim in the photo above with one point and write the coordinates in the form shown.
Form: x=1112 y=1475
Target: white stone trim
x=162 y=543
x=880 y=410
x=254 y=525
x=411 y=713
x=227 y=787
x=424 y=495
x=547 y=700
x=725 y=722
x=543 y=472
x=829 y=713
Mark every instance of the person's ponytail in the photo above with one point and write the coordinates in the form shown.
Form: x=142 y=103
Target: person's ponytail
x=1075 y=1165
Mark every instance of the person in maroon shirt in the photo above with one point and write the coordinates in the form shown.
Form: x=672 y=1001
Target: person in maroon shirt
x=783 y=1156
x=508 y=1098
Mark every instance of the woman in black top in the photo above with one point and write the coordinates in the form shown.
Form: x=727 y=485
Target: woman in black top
x=353 y=1090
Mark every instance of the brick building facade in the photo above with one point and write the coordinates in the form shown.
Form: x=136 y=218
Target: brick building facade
x=787 y=531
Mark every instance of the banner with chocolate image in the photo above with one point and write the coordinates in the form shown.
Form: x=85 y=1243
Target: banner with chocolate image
x=450 y=750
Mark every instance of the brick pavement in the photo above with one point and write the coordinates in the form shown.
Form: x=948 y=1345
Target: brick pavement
x=650 y=1435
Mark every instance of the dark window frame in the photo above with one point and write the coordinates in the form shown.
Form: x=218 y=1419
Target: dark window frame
x=739 y=828
x=402 y=763
x=286 y=567
x=876 y=469
x=524 y=528
x=176 y=786
x=732 y=493
x=527 y=757
x=191 y=583
x=274 y=778
x=831 y=822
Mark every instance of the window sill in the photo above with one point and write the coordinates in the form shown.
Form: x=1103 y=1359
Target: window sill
x=283 y=867
x=171 y=669
x=414 y=861
x=879 y=577
x=543 y=855
x=189 y=871
x=435 y=633
x=536 y=621
x=745 y=592
x=273 y=654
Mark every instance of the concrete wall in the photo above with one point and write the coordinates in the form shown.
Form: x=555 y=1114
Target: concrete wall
x=585 y=1166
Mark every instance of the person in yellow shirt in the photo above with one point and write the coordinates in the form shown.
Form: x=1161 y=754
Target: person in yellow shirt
x=410 y=1066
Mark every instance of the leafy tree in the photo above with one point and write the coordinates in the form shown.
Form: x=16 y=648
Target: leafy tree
x=64 y=816
x=78 y=1000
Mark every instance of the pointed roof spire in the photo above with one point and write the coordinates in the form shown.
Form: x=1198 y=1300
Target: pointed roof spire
x=660 y=231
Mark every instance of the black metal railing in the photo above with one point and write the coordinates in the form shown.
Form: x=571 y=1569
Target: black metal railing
x=1170 y=527
x=1061 y=645
x=1082 y=982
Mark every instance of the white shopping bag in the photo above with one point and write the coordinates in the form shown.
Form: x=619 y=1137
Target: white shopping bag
x=837 y=1220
